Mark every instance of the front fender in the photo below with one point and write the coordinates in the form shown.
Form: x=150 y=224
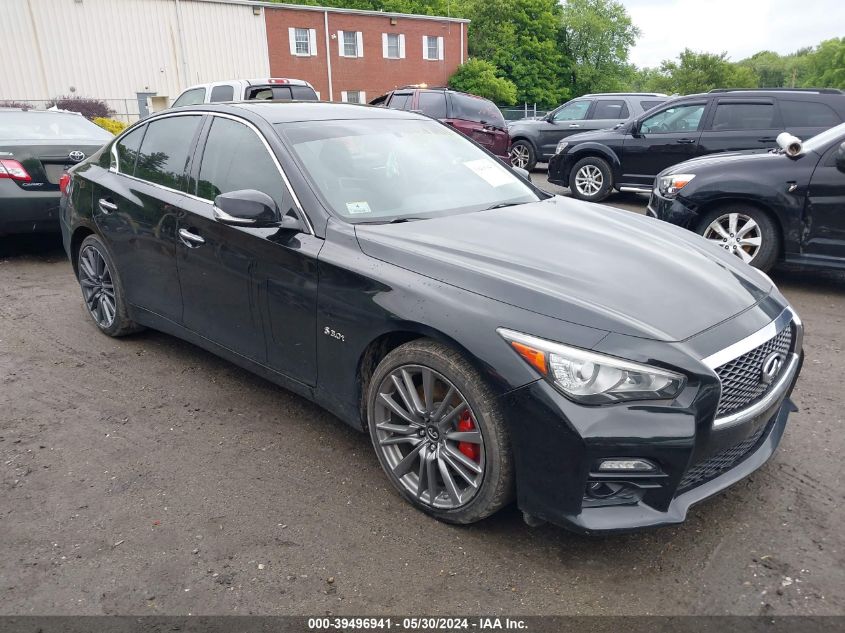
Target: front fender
x=582 y=150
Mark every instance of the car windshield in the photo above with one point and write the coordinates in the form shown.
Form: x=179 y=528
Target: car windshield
x=819 y=142
x=379 y=170
x=36 y=126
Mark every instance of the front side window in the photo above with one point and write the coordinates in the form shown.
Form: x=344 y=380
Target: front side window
x=610 y=109
x=682 y=118
x=222 y=93
x=574 y=111
x=744 y=116
x=234 y=158
x=433 y=104
x=164 y=151
x=377 y=170
x=190 y=97
x=127 y=151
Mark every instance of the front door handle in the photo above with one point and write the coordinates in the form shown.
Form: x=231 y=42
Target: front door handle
x=107 y=205
x=686 y=141
x=574 y=125
x=192 y=240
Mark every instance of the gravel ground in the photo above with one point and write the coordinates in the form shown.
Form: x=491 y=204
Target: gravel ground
x=146 y=476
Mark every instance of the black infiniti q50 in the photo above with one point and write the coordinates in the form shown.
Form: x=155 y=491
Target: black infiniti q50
x=604 y=369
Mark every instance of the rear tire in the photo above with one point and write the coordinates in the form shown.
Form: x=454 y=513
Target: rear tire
x=448 y=421
x=591 y=179
x=744 y=230
x=102 y=289
x=523 y=155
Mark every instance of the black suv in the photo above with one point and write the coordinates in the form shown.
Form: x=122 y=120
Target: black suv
x=535 y=140
x=629 y=157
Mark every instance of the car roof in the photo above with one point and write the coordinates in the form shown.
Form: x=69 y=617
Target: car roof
x=767 y=92
x=293 y=111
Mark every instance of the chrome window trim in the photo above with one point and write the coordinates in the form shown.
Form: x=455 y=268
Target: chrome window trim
x=298 y=205
x=756 y=339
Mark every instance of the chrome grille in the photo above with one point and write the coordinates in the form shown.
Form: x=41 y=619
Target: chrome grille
x=741 y=384
x=720 y=462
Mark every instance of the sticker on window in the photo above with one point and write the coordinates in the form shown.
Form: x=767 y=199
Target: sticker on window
x=357 y=208
x=491 y=173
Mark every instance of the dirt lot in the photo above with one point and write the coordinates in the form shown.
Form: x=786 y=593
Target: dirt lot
x=146 y=476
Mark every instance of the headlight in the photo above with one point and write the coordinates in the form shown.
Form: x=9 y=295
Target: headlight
x=560 y=147
x=669 y=186
x=592 y=378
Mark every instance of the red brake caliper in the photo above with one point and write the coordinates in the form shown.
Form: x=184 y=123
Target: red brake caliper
x=469 y=449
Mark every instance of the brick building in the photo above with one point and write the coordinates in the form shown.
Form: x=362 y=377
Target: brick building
x=355 y=56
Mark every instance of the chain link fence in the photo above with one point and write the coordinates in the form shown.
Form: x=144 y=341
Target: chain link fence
x=125 y=110
x=525 y=111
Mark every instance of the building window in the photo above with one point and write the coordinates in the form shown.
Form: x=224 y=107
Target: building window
x=353 y=96
x=432 y=47
x=303 y=42
x=350 y=43
x=393 y=45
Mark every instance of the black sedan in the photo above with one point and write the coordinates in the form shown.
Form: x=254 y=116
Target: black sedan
x=763 y=207
x=606 y=370
x=36 y=148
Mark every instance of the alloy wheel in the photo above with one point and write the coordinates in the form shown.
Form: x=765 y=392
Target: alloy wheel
x=589 y=180
x=97 y=286
x=520 y=156
x=428 y=437
x=737 y=233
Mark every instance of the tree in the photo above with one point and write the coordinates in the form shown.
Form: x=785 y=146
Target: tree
x=598 y=36
x=479 y=77
x=420 y=7
x=524 y=40
x=700 y=72
x=825 y=67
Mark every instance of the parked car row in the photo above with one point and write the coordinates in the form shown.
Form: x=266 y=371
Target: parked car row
x=605 y=370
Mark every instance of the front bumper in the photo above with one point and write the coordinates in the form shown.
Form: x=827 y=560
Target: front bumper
x=673 y=210
x=27 y=211
x=559 y=169
x=557 y=445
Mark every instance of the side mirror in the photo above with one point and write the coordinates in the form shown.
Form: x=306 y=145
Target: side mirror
x=840 y=158
x=522 y=172
x=246 y=207
x=635 y=129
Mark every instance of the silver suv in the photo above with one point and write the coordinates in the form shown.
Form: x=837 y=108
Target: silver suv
x=535 y=140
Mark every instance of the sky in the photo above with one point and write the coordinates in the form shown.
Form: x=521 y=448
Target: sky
x=740 y=27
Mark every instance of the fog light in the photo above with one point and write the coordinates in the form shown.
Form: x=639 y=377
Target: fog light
x=627 y=466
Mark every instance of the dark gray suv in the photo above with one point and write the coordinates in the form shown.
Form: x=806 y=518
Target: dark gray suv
x=535 y=140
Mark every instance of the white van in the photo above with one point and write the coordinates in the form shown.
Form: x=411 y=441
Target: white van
x=275 y=89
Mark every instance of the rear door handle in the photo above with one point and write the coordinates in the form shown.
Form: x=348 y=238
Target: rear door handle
x=574 y=125
x=685 y=141
x=107 y=205
x=191 y=240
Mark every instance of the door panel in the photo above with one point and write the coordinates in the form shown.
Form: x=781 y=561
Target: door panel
x=825 y=232
x=666 y=138
x=565 y=121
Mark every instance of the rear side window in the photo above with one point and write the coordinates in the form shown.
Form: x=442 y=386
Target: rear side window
x=191 y=97
x=607 y=109
x=164 y=151
x=476 y=109
x=401 y=101
x=744 y=116
x=222 y=93
x=433 y=104
x=807 y=114
x=127 y=151
x=235 y=158
x=648 y=105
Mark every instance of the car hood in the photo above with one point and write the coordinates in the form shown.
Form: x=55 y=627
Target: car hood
x=761 y=157
x=579 y=262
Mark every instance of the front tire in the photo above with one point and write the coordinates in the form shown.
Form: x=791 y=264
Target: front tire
x=439 y=433
x=745 y=231
x=102 y=289
x=591 y=179
x=523 y=155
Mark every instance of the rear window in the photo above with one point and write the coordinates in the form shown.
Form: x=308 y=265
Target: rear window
x=476 y=109
x=744 y=116
x=807 y=114
x=610 y=109
x=648 y=105
x=222 y=93
x=281 y=93
x=37 y=126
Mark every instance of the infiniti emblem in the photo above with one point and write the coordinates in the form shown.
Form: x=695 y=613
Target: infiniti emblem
x=771 y=367
x=76 y=156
